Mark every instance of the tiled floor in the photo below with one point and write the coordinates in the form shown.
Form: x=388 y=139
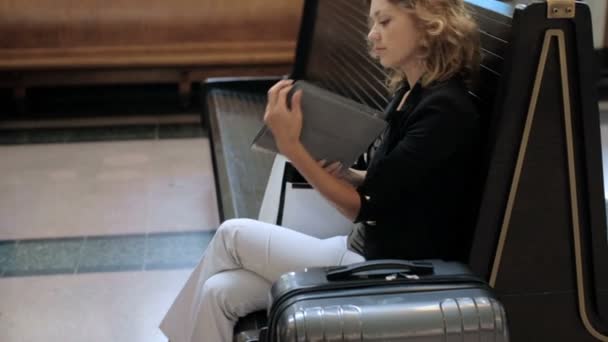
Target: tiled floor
x=99 y=228
x=94 y=307
x=126 y=187
x=102 y=253
x=10 y=136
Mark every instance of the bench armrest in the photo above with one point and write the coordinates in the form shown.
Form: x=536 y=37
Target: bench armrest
x=261 y=83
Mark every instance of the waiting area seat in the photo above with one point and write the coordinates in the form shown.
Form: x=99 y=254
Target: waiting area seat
x=541 y=239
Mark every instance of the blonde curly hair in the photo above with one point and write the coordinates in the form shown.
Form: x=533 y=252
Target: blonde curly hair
x=449 y=41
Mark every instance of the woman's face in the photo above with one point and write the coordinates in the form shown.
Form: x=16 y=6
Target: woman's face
x=393 y=35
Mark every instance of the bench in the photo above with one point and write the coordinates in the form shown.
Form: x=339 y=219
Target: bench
x=65 y=42
x=541 y=239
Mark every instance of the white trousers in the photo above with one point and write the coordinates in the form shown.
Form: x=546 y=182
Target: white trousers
x=236 y=272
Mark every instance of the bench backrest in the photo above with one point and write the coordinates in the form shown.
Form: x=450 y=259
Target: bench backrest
x=332 y=51
x=495 y=28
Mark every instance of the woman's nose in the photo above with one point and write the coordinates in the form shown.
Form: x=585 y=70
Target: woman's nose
x=372 y=35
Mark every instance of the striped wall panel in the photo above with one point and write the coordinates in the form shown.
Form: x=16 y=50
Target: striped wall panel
x=340 y=61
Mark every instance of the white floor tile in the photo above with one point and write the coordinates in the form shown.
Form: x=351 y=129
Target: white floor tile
x=102 y=307
x=62 y=190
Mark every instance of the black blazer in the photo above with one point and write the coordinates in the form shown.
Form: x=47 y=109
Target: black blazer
x=418 y=197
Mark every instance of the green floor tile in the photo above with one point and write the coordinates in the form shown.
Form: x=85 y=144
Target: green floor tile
x=180 y=131
x=38 y=257
x=116 y=253
x=166 y=251
x=109 y=133
x=7 y=252
x=85 y=134
x=48 y=136
x=12 y=137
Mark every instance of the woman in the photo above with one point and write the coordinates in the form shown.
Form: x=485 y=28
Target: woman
x=413 y=202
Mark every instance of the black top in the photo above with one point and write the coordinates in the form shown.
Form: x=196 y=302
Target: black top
x=418 y=197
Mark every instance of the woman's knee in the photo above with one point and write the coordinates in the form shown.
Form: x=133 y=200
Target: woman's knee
x=215 y=296
x=235 y=234
x=234 y=224
x=229 y=229
x=235 y=293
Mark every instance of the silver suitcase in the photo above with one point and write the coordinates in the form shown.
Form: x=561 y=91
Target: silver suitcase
x=386 y=300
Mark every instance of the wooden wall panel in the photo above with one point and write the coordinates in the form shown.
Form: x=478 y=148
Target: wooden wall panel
x=81 y=23
x=185 y=37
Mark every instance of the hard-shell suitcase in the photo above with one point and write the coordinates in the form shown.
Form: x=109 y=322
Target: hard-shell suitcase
x=386 y=300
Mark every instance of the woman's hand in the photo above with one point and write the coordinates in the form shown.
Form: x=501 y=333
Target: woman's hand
x=286 y=127
x=336 y=169
x=284 y=123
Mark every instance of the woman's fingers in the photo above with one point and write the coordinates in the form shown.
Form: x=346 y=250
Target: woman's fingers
x=279 y=85
x=282 y=98
x=273 y=92
x=296 y=102
x=334 y=168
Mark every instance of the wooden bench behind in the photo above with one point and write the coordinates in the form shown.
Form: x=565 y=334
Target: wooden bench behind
x=139 y=41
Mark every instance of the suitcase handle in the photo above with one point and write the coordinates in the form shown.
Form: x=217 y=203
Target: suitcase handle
x=387 y=265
